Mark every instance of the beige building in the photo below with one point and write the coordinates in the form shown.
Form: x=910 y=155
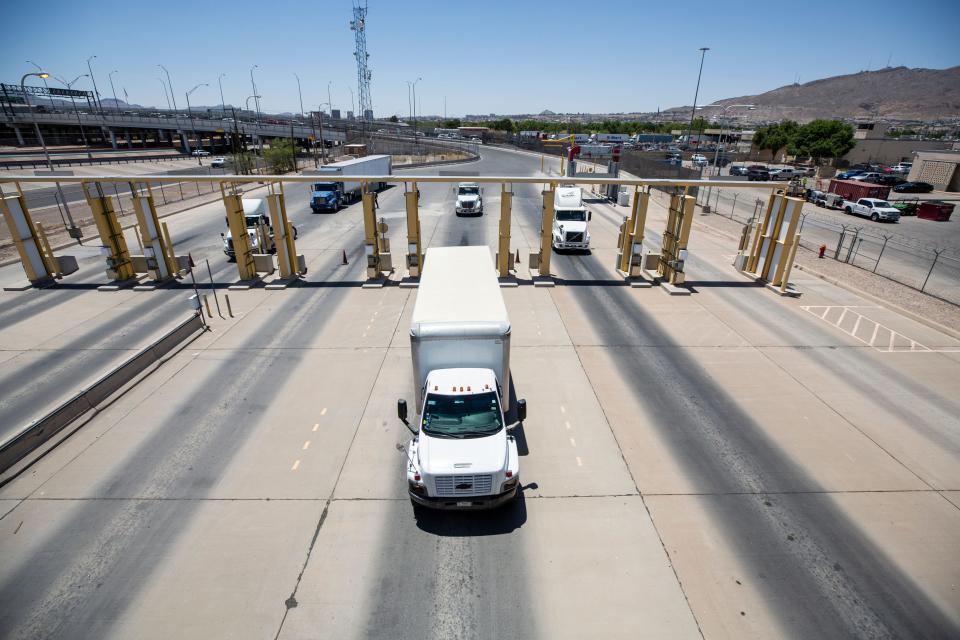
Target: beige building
x=939 y=168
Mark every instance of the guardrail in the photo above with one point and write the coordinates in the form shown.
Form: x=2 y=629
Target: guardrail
x=93 y=397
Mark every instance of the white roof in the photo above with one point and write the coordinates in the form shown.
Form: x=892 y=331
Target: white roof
x=347 y=163
x=568 y=198
x=459 y=287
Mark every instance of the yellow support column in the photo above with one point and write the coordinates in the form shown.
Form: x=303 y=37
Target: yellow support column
x=370 y=236
x=546 y=232
x=283 y=235
x=25 y=238
x=119 y=265
x=503 y=244
x=631 y=239
x=674 y=247
x=156 y=250
x=236 y=221
x=414 y=248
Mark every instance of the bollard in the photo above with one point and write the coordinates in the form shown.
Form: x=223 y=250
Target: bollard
x=229 y=308
x=823 y=250
x=344 y=257
x=206 y=302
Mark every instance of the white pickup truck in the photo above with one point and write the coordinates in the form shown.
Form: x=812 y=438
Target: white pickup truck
x=872 y=208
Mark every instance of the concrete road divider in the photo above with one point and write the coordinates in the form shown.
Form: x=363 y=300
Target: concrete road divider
x=94 y=397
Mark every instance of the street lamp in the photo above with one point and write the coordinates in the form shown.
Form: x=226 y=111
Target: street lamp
x=73 y=230
x=716 y=153
x=256 y=102
x=173 y=97
x=116 y=105
x=190 y=115
x=323 y=145
x=165 y=94
x=83 y=134
x=412 y=87
x=223 y=104
x=96 y=93
x=329 y=101
x=43 y=75
x=696 y=94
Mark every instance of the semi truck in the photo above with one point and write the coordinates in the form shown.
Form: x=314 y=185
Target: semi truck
x=570 y=218
x=463 y=454
x=330 y=194
x=257 y=220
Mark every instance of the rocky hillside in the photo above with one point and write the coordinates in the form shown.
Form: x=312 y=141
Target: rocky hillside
x=894 y=93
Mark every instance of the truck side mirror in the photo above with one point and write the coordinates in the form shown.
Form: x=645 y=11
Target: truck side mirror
x=402 y=410
x=521 y=410
x=589 y=216
x=221 y=234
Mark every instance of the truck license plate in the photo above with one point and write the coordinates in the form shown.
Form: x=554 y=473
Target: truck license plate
x=464 y=504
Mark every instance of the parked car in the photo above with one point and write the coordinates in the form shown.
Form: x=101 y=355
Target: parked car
x=891 y=180
x=200 y=153
x=738 y=170
x=219 y=162
x=783 y=174
x=902 y=168
x=758 y=173
x=846 y=175
x=870 y=176
x=699 y=160
x=914 y=187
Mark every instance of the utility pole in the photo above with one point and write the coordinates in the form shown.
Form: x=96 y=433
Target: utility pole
x=223 y=104
x=96 y=93
x=696 y=94
x=116 y=105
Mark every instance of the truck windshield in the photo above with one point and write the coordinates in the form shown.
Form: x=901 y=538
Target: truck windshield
x=470 y=416
x=571 y=216
x=881 y=204
x=325 y=186
x=469 y=191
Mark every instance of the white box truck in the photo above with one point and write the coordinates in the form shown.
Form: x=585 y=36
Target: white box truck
x=330 y=194
x=570 y=218
x=463 y=455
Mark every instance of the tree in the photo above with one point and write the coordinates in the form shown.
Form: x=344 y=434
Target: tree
x=823 y=139
x=242 y=162
x=453 y=123
x=279 y=156
x=394 y=119
x=776 y=136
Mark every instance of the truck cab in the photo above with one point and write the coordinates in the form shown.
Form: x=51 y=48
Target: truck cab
x=258 y=228
x=570 y=218
x=872 y=208
x=469 y=199
x=327 y=196
x=464 y=455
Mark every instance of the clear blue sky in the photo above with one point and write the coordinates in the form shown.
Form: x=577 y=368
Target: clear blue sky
x=493 y=56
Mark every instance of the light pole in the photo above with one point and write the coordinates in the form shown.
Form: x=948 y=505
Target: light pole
x=256 y=102
x=43 y=75
x=83 y=134
x=73 y=230
x=173 y=97
x=353 y=106
x=190 y=115
x=116 y=106
x=329 y=101
x=716 y=153
x=223 y=104
x=323 y=145
x=165 y=94
x=96 y=93
x=696 y=94
x=412 y=86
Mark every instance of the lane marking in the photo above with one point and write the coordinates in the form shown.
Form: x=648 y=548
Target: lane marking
x=295 y=465
x=579 y=462
x=562 y=409
x=567 y=425
x=316 y=426
x=306 y=445
x=573 y=442
x=323 y=412
x=887 y=345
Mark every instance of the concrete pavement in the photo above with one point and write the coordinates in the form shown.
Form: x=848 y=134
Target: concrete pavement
x=723 y=465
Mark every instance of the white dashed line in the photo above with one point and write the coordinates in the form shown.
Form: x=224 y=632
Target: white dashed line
x=579 y=462
x=306 y=445
x=573 y=442
x=295 y=465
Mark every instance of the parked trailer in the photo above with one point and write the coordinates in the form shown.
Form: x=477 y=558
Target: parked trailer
x=854 y=190
x=379 y=165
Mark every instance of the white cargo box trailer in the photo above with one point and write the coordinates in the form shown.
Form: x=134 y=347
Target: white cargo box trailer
x=379 y=165
x=459 y=320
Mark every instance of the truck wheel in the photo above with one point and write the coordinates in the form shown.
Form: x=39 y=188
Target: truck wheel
x=847 y=210
x=874 y=217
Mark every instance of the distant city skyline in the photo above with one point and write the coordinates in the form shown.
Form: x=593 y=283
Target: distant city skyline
x=508 y=58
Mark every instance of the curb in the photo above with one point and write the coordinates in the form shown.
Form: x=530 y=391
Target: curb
x=97 y=395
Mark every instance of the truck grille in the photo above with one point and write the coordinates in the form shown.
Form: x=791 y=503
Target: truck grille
x=466 y=205
x=574 y=236
x=471 y=485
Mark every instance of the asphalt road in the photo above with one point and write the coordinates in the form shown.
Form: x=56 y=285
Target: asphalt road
x=179 y=506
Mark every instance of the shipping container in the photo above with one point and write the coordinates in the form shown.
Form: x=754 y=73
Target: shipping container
x=854 y=190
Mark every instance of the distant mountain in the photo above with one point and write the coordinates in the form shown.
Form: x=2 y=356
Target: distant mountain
x=894 y=93
x=547 y=112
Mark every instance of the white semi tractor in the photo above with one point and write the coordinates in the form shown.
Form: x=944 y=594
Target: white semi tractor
x=330 y=194
x=463 y=454
x=570 y=218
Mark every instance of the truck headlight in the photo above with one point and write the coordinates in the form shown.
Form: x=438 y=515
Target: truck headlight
x=510 y=483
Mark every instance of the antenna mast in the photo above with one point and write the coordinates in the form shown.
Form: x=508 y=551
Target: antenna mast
x=358 y=26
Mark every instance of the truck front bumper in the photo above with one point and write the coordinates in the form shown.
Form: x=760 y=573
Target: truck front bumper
x=465 y=502
x=469 y=212
x=571 y=245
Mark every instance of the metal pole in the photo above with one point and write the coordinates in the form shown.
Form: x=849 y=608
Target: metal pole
x=96 y=93
x=223 y=104
x=170 y=83
x=696 y=94
x=885 y=240
x=214 y=290
x=935 y=258
x=116 y=106
x=165 y=94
